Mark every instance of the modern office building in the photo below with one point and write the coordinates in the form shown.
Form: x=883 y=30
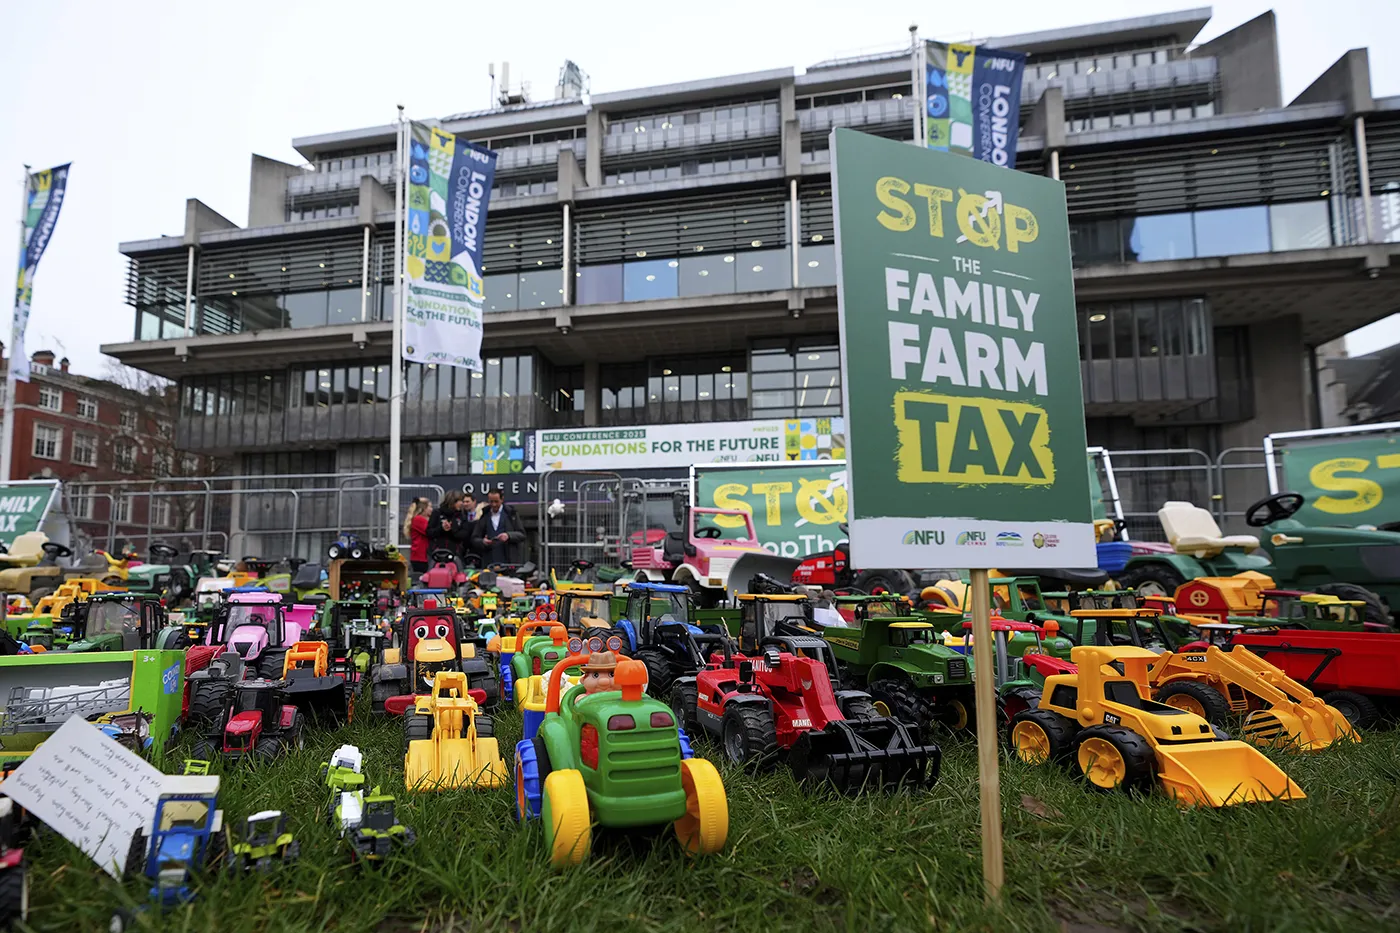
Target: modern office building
x=665 y=255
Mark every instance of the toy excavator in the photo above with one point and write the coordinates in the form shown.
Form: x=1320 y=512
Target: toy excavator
x=1104 y=722
x=450 y=742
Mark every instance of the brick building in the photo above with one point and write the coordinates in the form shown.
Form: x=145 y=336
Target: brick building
x=78 y=429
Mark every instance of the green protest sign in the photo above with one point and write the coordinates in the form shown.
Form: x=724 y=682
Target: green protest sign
x=797 y=509
x=1347 y=481
x=964 y=415
x=22 y=508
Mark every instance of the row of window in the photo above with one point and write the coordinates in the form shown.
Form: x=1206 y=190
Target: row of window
x=1230 y=231
x=1107 y=116
x=48 y=445
x=660 y=122
x=1144 y=329
x=1105 y=62
x=859 y=95
x=687 y=168
x=51 y=399
x=159 y=512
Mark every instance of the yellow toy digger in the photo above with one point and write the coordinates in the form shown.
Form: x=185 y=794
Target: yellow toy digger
x=1104 y=722
x=449 y=742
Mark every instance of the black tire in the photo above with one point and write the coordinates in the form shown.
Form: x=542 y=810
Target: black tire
x=292 y=852
x=270 y=748
x=748 y=736
x=204 y=750
x=1215 y=709
x=684 y=697
x=907 y=705
x=208 y=706
x=1375 y=610
x=271 y=663
x=1059 y=733
x=416 y=726
x=891 y=581
x=860 y=707
x=14 y=895
x=1014 y=701
x=38 y=593
x=1360 y=710
x=384 y=690
x=485 y=726
x=136 y=853
x=661 y=673
x=1158 y=578
x=1140 y=765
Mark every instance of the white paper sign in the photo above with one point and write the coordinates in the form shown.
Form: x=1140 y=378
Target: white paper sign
x=92 y=791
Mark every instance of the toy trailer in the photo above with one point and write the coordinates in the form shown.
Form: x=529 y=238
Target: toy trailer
x=1356 y=672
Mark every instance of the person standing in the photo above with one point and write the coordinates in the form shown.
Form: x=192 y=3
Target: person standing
x=415 y=529
x=442 y=523
x=498 y=531
x=464 y=530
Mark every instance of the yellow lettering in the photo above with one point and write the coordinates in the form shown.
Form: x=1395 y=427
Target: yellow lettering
x=887 y=190
x=773 y=513
x=731 y=496
x=1365 y=495
x=935 y=197
x=820 y=502
x=1021 y=227
x=971 y=441
x=978 y=223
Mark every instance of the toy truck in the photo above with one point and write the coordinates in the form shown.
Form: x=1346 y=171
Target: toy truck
x=656 y=623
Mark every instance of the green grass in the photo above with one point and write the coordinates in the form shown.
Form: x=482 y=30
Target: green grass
x=812 y=862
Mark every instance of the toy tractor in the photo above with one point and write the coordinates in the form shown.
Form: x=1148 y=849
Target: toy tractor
x=29 y=566
x=583 y=612
x=209 y=689
x=254 y=624
x=1299 y=556
x=536 y=655
x=1104 y=722
x=658 y=631
x=614 y=759
x=343 y=776
x=432 y=642
x=897 y=658
x=258 y=719
x=450 y=743
x=117 y=621
x=175 y=583
x=702 y=554
x=379 y=832
x=14 y=874
x=186 y=837
x=321 y=694
x=266 y=844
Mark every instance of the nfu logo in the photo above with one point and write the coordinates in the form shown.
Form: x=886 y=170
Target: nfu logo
x=1001 y=64
x=918 y=537
x=974 y=538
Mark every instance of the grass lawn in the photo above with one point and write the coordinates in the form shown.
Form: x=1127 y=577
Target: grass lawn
x=1076 y=860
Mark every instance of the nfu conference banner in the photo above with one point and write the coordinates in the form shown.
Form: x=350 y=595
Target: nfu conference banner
x=683 y=445
x=43 y=200
x=449 y=190
x=964 y=418
x=972 y=100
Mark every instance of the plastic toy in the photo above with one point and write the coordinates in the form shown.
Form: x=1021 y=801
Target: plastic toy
x=163 y=578
x=1357 y=673
x=186 y=836
x=537 y=654
x=254 y=625
x=380 y=831
x=450 y=743
x=702 y=554
x=14 y=874
x=321 y=694
x=433 y=641
x=265 y=844
x=209 y=688
x=657 y=624
x=117 y=621
x=343 y=776
x=445 y=574
x=348 y=546
x=1105 y=723
x=259 y=719
x=615 y=759
x=30 y=565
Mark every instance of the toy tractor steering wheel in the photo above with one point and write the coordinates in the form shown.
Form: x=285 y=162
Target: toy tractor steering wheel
x=54 y=550
x=164 y=552
x=444 y=556
x=1273 y=509
x=707 y=532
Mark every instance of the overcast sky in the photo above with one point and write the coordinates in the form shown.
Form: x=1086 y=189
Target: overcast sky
x=154 y=102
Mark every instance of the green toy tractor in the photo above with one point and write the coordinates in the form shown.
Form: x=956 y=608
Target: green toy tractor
x=900 y=660
x=380 y=831
x=118 y=621
x=265 y=843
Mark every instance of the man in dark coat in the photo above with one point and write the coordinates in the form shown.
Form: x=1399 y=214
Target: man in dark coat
x=498 y=532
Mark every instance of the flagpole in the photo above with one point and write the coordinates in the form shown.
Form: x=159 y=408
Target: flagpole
x=396 y=365
x=7 y=433
x=917 y=89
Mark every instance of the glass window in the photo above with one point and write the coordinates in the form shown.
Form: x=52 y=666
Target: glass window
x=87 y=408
x=1304 y=225
x=1197 y=328
x=653 y=278
x=306 y=309
x=598 y=284
x=704 y=274
x=48 y=441
x=1098 y=334
x=1232 y=231
x=1159 y=237
x=816 y=265
x=1123 y=332
x=1148 y=343
x=502 y=292
x=764 y=270
x=344 y=305
x=124 y=455
x=50 y=398
x=1097 y=241
x=508 y=386
x=541 y=288
x=493 y=378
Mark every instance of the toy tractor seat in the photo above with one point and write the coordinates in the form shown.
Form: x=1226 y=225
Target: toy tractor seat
x=307 y=576
x=25 y=550
x=673 y=547
x=1192 y=530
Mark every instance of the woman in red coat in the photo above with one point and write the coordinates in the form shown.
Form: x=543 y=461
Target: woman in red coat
x=415 y=529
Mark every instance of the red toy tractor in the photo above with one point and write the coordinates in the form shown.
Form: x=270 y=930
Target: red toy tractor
x=445 y=574
x=259 y=719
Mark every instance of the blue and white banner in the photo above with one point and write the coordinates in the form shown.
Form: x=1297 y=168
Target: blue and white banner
x=972 y=100
x=43 y=201
x=449 y=189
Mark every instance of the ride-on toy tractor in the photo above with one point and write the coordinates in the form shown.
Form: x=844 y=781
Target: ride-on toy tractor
x=266 y=843
x=1106 y=724
x=700 y=555
x=614 y=758
x=1298 y=556
x=186 y=836
x=658 y=630
x=254 y=624
x=450 y=742
x=259 y=719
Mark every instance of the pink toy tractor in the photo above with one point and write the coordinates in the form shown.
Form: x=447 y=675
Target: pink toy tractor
x=701 y=554
x=254 y=625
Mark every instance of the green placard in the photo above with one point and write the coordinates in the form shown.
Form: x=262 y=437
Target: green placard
x=964 y=414
x=1351 y=481
x=797 y=509
x=22 y=508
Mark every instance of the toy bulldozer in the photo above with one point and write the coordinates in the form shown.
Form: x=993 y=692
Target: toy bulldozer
x=450 y=742
x=1104 y=722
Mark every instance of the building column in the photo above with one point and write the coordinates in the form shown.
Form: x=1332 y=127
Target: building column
x=593 y=157
x=592 y=393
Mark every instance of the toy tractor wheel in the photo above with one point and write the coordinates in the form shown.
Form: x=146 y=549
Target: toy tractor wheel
x=748 y=734
x=485 y=726
x=205 y=750
x=1112 y=756
x=567 y=823
x=1375 y=610
x=684 y=697
x=1360 y=711
x=14 y=895
x=1039 y=736
x=862 y=707
x=383 y=690
x=530 y=774
x=207 y=706
x=270 y=748
x=899 y=582
x=906 y=705
x=705 y=826
x=271 y=663
x=1151 y=579
x=660 y=672
x=1195 y=697
x=416 y=726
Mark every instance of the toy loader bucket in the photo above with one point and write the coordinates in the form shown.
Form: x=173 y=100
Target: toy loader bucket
x=1307 y=727
x=320 y=696
x=1222 y=774
x=752 y=563
x=864 y=754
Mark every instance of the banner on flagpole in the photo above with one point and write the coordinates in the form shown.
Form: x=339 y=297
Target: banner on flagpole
x=972 y=100
x=43 y=200
x=449 y=189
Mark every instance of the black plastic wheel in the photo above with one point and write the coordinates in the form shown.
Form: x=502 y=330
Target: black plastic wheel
x=889 y=581
x=1130 y=764
x=1360 y=710
x=860 y=707
x=1195 y=697
x=908 y=705
x=661 y=673
x=271 y=663
x=270 y=748
x=1375 y=610
x=208 y=706
x=748 y=734
x=416 y=726
x=383 y=691
x=14 y=895
x=1039 y=736
x=1151 y=578
x=684 y=697
x=204 y=750
x=485 y=726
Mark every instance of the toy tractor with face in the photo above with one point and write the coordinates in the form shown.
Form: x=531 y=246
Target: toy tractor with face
x=432 y=641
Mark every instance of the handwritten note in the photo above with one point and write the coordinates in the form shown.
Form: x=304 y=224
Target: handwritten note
x=92 y=791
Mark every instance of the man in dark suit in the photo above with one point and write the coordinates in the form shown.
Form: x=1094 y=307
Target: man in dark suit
x=498 y=531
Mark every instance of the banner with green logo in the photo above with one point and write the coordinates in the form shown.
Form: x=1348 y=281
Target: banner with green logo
x=1344 y=481
x=960 y=356
x=797 y=509
x=22 y=508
